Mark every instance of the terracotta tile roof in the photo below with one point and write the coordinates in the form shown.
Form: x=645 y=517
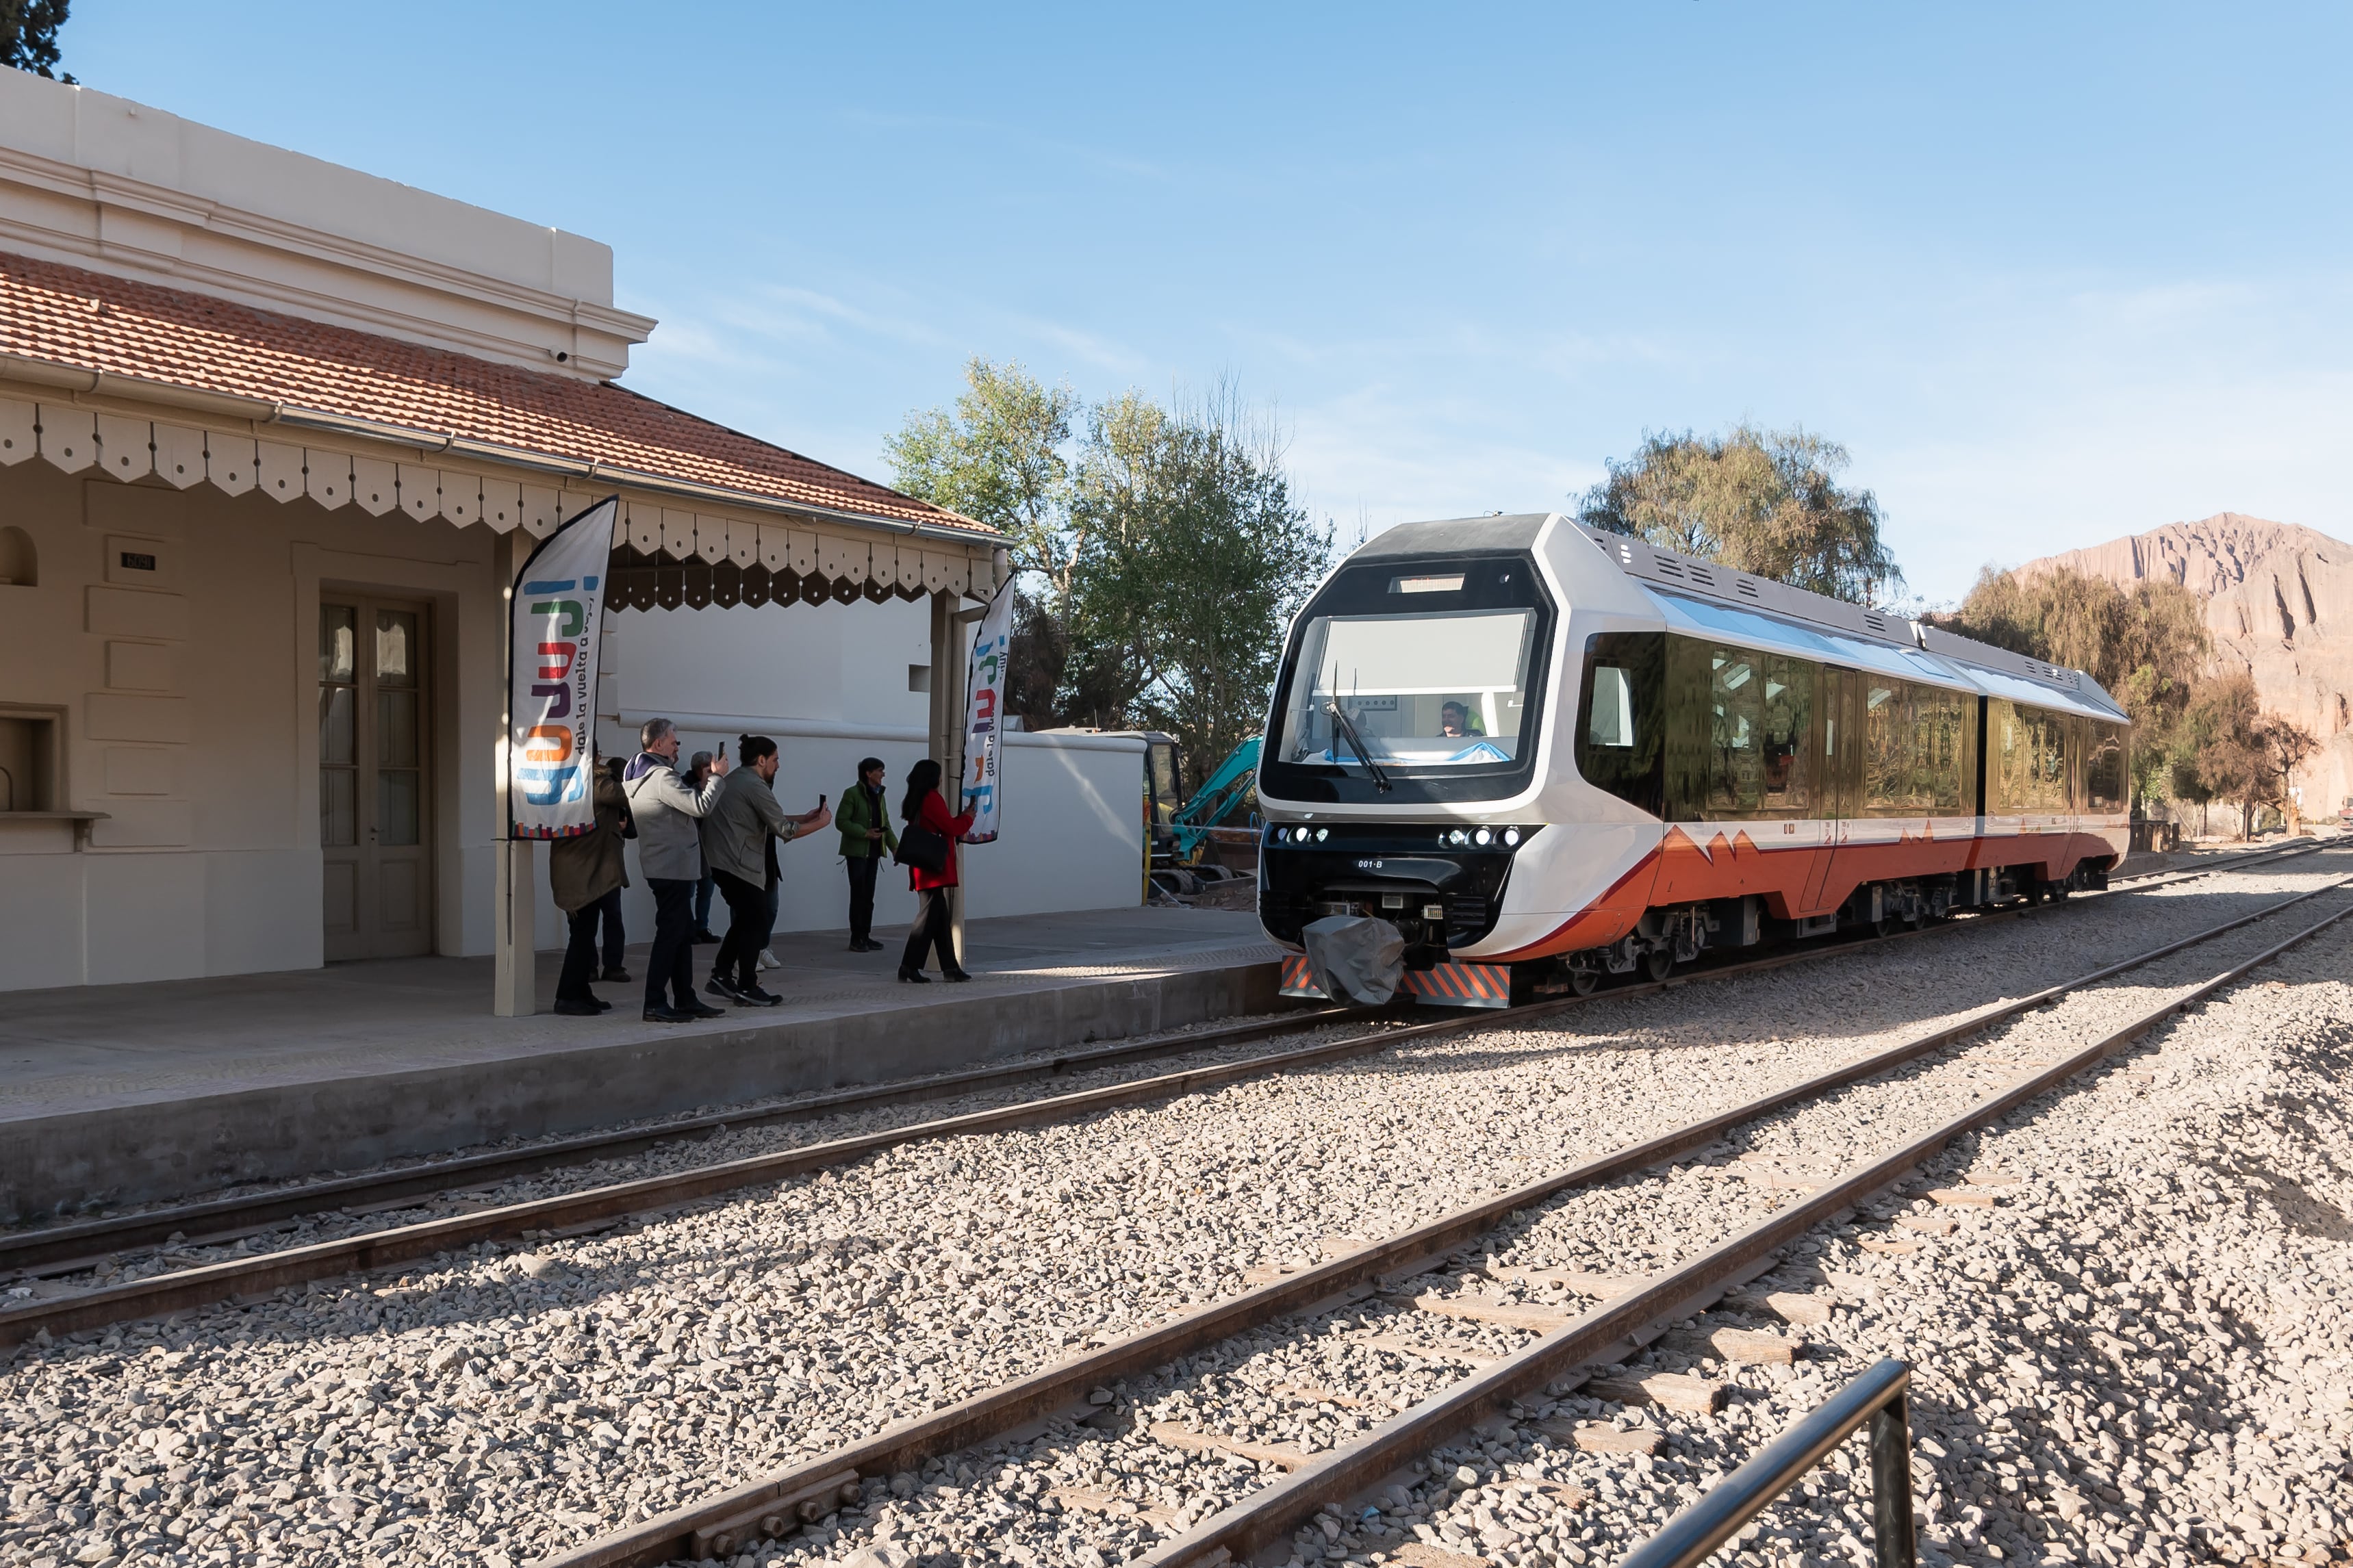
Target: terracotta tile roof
x=89 y=320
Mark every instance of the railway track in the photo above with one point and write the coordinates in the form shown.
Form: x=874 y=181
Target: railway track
x=1570 y=1343
x=66 y=1250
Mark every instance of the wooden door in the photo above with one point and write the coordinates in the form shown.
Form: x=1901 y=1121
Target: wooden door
x=375 y=818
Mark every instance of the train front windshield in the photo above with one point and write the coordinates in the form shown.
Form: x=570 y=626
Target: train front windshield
x=1446 y=689
x=1428 y=677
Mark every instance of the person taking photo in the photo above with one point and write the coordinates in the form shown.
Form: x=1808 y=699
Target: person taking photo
x=740 y=835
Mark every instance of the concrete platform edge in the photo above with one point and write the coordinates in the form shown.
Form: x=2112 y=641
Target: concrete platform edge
x=159 y=1151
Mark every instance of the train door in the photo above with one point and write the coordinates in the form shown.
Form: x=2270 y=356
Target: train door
x=1842 y=782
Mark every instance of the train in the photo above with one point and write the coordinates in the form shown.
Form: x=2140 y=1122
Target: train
x=1548 y=754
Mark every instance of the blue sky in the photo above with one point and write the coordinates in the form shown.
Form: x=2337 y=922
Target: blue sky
x=2053 y=274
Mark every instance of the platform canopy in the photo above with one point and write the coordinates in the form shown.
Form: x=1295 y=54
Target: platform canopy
x=130 y=379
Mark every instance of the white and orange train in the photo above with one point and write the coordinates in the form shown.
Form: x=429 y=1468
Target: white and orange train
x=1548 y=754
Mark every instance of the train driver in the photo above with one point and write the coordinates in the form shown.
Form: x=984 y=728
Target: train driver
x=1455 y=722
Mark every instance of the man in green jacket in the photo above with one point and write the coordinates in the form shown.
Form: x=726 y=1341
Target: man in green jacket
x=866 y=841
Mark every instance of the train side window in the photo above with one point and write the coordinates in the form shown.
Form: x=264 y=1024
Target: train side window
x=1789 y=777
x=1610 y=715
x=1619 y=745
x=2104 y=768
x=1915 y=748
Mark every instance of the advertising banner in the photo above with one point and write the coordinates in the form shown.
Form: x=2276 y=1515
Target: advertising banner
x=983 y=715
x=553 y=622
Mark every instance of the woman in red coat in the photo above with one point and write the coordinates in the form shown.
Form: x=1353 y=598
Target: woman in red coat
x=925 y=808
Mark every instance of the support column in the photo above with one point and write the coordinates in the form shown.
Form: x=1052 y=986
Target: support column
x=513 y=929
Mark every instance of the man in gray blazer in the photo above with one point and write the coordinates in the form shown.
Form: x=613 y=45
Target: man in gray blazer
x=740 y=835
x=670 y=852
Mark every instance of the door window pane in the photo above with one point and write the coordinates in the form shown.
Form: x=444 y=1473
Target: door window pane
x=338 y=642
x=336 y=742
x=396 y=806
x=338 y=826
x=1789 y=717
x=395 y=648
x=396 y=728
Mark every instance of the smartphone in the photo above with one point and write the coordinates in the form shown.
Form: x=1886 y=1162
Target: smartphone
x=820 y=803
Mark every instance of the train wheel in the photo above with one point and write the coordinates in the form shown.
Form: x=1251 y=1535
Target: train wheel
x=1884 y=925
x=1658 y=962
x=1583 y=980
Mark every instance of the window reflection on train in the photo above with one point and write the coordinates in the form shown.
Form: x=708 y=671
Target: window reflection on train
x=1779 y=737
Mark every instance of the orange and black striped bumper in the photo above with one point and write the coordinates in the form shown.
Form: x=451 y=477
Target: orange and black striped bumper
x=1451 y=984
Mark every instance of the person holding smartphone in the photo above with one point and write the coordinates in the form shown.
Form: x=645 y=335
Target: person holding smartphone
x=740 y=835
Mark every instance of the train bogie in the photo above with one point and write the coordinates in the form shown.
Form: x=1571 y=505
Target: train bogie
x=1560 y=755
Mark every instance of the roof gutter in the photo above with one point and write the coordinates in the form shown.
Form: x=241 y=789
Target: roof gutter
x=106 y=386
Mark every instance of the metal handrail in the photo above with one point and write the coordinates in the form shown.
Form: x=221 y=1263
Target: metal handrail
x=1878 y=1397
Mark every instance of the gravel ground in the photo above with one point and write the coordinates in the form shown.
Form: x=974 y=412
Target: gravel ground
x=499 y=1405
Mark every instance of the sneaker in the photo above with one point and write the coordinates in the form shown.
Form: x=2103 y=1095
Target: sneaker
x=868 y=945
x=669 y=1015
x=617 y=974
x=721 y=987
x=703 y=1010
x=754 y=997
x=769 y=959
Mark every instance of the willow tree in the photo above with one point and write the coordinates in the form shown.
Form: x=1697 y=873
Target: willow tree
x=1761 y=501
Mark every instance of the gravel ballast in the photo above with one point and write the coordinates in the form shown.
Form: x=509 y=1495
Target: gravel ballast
x=503 y=1404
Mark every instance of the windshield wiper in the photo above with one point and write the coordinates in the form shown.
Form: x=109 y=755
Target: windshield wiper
x=1347 y=727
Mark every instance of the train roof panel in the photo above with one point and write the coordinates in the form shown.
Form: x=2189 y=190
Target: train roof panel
x=1700 y=617
x=1457 y=536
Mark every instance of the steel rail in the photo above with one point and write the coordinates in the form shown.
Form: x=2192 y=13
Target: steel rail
x=84 y=1244
x=1264 y=1517
x=1053 y=1389
x=589 y=1207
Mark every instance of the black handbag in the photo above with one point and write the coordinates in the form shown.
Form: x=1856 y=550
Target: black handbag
x=922 y=849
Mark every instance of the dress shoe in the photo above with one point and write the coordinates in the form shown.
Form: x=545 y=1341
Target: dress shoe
x=617 y=974
x=703 y=1010
x=578 y=1007
x=955 y=976
x=602 y=1005
x=757 y=996
x=914 y=976
x=726 y=988
x=669 y=1015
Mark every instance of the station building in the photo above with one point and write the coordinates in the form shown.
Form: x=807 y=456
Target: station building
x=274 y=436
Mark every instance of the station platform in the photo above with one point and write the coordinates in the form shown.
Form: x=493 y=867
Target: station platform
x=134 y=1093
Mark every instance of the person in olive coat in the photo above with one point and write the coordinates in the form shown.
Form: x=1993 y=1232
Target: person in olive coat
x=866 y=840
x=586 y=874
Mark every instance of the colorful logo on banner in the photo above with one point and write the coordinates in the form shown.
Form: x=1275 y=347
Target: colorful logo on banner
x=983 y=715
x=553 y=624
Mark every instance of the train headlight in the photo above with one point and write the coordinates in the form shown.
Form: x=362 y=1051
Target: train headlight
x=1483 y=837
x=1321 y=833
x=1511 y=837
x=1458 y=837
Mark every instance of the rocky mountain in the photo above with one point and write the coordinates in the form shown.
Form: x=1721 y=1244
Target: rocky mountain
x=2279 y=604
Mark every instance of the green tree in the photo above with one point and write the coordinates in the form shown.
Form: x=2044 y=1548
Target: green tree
x=1764 y=502
x=1193 y=555
x=2146 y=646
x=28 y=35
x=998 y=457
x=2224 y=741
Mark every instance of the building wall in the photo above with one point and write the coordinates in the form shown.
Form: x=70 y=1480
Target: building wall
x=831 y=684
x=186 y=698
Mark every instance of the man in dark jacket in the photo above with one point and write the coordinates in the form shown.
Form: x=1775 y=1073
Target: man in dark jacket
x=739 y=835
x=586 y=873
x=866 y=840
